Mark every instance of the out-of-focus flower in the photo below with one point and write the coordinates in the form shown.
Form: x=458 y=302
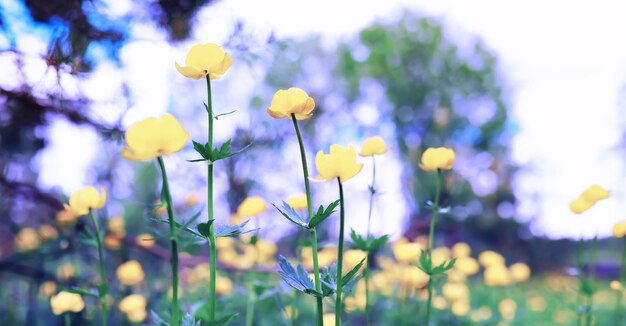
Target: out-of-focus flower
x=134 y=306
x=251 y=206
x=47 y=289
x=483 y=313
x=579 y=205
x=619 y=230
x=461 y=249
x=288 y=314
x=440 y=303
x=467 y=265
x=455 y=292
x=145 y=240
x=116 y=225
x=66 y=271
x=413 y=278
x=588 y=198
x=223 y=286
x=497 y=275
x=456 y=276
x=615 y=285
x=339 y=163
x=27 y=239
x=130 y=273
x=373 y=146
x=82 y=200
x=520 y=272
x=489 y=257
x=265 y=250
x=537 y=304
x=440 y=255
x=47 y=232
x=298 y=202
x=329 y=319
x=112 y=242
x=353 y=257
x=440 y=158
x=66 y=216
x=66 y=302
x=460 y=308
x=407 y=253
x=355 y=303
x=205 y=60
x=191 y=200
x=154 y=137
x=507 y=308
x=291 y=101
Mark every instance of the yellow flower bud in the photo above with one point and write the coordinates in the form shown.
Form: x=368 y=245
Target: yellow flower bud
x=437 y=158
x=251 y=206
x=292 y=101
x=66 y=302
x=154 y=137
x=132 y=303
x=467 y=265
x=461 y=249
x=497 y=275
x=373 y=146
x=27 y=239
x=298 y=202
x=339 y=163
x=520 y=272
x=507 y=308
x=130 y=273
x=116 y=225
x=47 y=232
x=455 y=292
x=489 y=257
x=205 y=60
x=82 y=200
x=47 y=289
x=619 y=229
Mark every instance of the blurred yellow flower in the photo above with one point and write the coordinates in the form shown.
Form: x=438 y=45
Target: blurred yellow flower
x=66 y=216
x=461 y=249
x=27 y=239
x=66 y=271
x=298 y=202
x=145 y=240
x=507 y=308
x=619 y=229
x=339 y=163
x=520 y=272
x=112 y=242
x=223 y=286
x=47 y=232
x=489 y=257
x=353 y=257
x=47 y=289
x=455 y=291
x=66 y=302
x=594 y=194
x=407 y=252
x=483 y=313
x=467 y=265
x=460 y=308
x=413 y=277
x=329 y=319
x=116 y=225
x=579 y=205
x=497 y=275
x=373 y=146
x=205 y=60
x=132 y=302
x=191 y=200
x=251 y=206
x=615 y=285
x=137 y=316
x=440 y=255
x=437 y=158
x=292 y=101
x=130 y=273
x=440 y=303
x=154 y=137
x=82 y=200
x=537 y=304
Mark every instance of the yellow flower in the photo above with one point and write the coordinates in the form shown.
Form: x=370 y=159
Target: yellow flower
x=298 y=202
x=455 y=292
x=27 y=239
x=615 y=285
x=137 y=316
x=130 y=272
x=352 y=258
x=329 y=319
x=47 y=232
x=66 y=302
x=191 y=200
x=373 y=146
x=132 y=303
x=154 y=137
x=251 y=206
x=460 y=308
x=489 y=257
x=340 y=163
x=82 y=200
x=440 y=303
x=47 y=289
x=619 y=230
x=507 y=308
x=112 y=242
x=461 y=249
x=407 y=252
x=145 y=240
x=579 y=205
x=440 y=255
x=292 y=101
x=205 y=60
x=66 y=216
x=66 y=271
x=116 y=225
x=223 y=286
x=467 y=265
x=520 y=272
x=595 y=193
x=437 y=158
x=497 y=275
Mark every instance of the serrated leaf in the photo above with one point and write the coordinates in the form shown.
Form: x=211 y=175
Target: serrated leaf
x=189 y=320
x=424 y=263
x=299 y=279
x=179 y=227
x=352 y=273
x=223 y=230
x=201 y=149
x=323 y=214
x=289 y=213
x=157 y=320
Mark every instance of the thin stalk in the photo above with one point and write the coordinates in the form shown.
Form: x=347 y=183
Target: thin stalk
x=174 y=243
x=366 y=272
x=431 y=242
x=66 y=318
x=103 y=288
x=622 y=280
x=212 y=249
x=592 y=279
x=250 y=307
x=581 y=279
x=316 y=269
x=342 y=212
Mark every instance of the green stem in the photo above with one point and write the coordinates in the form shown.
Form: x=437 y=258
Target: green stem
x=592 y=279
x=366 y=272
x=581 y=280
x=174 y=243
x=211 y=218
x=372 y=193
x=338 y=306
x=622 y=280
x=66 y=317
x=103 y=288
x=250 y=307
x=431 y=236
x=316 y=269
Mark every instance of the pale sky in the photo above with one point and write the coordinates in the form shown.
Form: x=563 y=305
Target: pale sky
x=565 y=62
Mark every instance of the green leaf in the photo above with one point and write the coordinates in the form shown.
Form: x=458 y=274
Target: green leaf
x=157 y=320
x=323 y=214
x=424 y=263
x=223 y=320
x=289 y=213
x=297 y=279
x=180 y=227
x=201 y=149
x=223 y=114
x=189 y=320
x=225 y=231
x=92 y=293
x=369 y=244
x=443 y=267
x=351 y=274
x=204 y=228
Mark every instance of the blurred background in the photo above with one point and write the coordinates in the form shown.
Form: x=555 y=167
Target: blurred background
x=530 y=95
